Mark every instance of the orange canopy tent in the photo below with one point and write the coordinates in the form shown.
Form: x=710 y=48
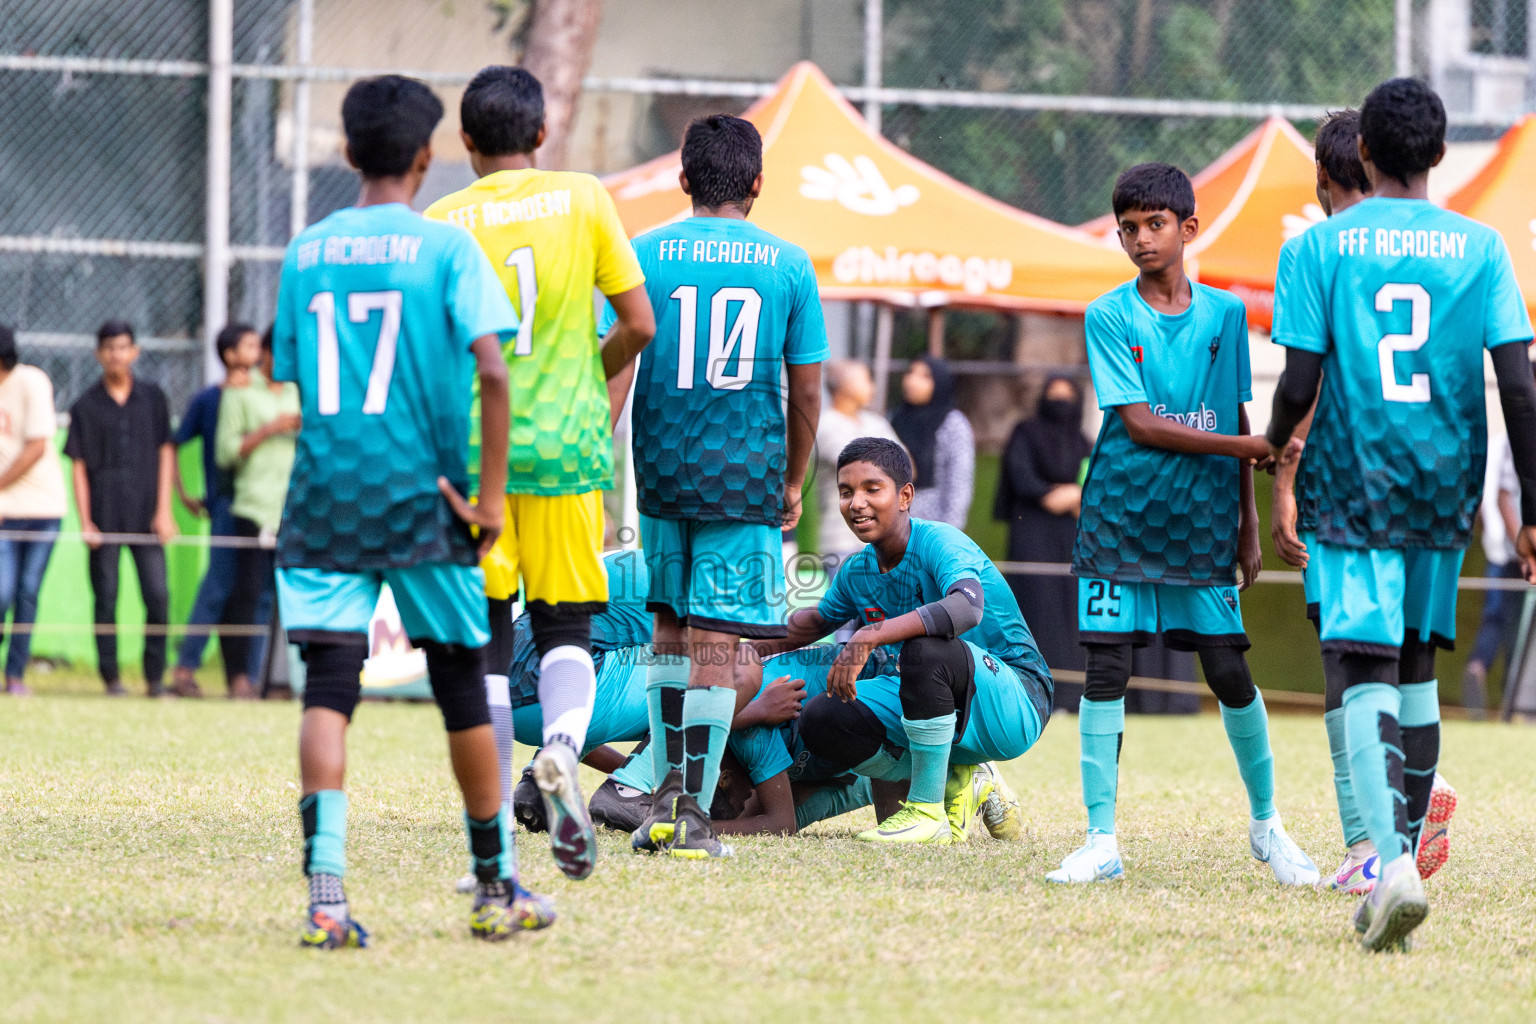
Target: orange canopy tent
x=878 y=223
x=1255 y=196
x=1501 y=196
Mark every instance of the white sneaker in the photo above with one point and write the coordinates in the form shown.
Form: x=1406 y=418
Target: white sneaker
x=1097 y=860
x=571 y=838
x=1395 y=907
x=1270 y=844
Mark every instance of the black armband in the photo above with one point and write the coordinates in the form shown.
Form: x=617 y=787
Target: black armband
x=1294 y=395
x=1517 y=395
x=954 y=613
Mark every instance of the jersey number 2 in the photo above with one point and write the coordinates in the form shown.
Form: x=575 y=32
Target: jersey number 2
x=360 y=308
x=741 y=341
x=1417 y=388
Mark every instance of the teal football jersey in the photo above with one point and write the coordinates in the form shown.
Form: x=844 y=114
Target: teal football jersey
x=733 y=305
x=1401 y=298
x=938 y=556
x=1150 y=514
x=376 y=312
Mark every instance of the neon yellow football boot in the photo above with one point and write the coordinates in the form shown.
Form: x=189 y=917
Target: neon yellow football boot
x=912 y=824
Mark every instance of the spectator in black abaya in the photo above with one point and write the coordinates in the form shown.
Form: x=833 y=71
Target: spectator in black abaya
x=1038 y=497
x=940 y=441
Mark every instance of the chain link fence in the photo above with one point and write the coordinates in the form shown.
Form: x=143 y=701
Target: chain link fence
x=105 y=121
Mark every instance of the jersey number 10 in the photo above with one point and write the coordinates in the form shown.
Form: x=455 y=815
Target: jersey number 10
x=1417 y=388
x=360 y=309
x=741 y=341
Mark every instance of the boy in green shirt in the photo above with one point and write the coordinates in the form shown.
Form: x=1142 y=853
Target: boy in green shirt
x=258 y=424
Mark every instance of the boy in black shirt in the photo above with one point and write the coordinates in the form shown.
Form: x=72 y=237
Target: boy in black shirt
x=120 y=441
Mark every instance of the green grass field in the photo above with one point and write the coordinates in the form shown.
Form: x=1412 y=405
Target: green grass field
x=149 y=870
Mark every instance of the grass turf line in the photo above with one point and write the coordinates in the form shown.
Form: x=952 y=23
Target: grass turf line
x=149 y=870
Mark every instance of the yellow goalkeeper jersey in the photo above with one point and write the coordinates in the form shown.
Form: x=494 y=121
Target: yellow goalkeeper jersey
x=553 y=236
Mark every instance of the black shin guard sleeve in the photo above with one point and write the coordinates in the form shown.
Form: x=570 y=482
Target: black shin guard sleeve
x=1109 y=671
x=1416 y=663
x=1421 y=753
x=844 y=734
x=457 y=675
x=1226 y=673
x=937 y=679
x=498 y=653
x=1335 y=681
x=332 y=675
x=559 y=628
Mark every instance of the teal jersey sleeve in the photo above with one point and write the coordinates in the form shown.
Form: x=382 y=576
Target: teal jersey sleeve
x=1505 y=316
x=761 y=751
x=285 y=327
x=837 y=604
x=1301 y=311
x=606 y=319
x=1239 y=322
x=477 y=303
x=1112 y=355
x=1285 y=266
x=949 y=557
x=806 y=335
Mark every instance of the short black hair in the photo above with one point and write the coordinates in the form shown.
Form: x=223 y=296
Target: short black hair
x=266 y=337
x=229 y=337
x=387 y=120
x=1337 y=147
x=1403 y=124
x=1150 y=187
x=503 y=110
x=8 y=358
x=722 y=157
x=891 y=458
x=113 y=328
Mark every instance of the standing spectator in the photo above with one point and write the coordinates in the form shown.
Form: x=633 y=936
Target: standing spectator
x=1038 y=497
x=851 y=388
x=940 y=440
x=1501 y=525
x=258 y=424
x=31 y=499
x=120 y=441
x=239 y=348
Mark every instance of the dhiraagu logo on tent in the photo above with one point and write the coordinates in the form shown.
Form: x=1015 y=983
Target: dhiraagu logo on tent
x=1292 y=224
x=856 y=185
x=860 y=264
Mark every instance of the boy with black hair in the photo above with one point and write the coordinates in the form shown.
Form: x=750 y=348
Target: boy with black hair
x=383 y=320
x=554 y=237
x=969 y=685
x=718 y=463
x=1397 y=299
x=238 y=347
x=120 y=441
x=1341 y=183
x=1168 y=513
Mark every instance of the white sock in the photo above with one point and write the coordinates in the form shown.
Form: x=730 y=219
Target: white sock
x=567 y=687
x=498 y=697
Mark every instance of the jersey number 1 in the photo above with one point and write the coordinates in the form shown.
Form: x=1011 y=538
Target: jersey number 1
x=1417 y=388
x=528 y=298
x=360 y=308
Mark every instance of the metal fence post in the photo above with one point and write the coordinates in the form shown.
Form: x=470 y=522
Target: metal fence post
x=221 y=58
x=1402 y=38
x=298 y=214
x=874 y=59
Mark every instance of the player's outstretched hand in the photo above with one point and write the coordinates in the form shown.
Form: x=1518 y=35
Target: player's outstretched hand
x=1282 y=528
x=842 y=678
x=486 y=517
x=791 y=506
x=781 y=700
x=1249 y=558
x=1525 y=547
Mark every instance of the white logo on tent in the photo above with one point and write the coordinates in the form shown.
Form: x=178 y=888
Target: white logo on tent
x=857 y=185
x=1292 y=225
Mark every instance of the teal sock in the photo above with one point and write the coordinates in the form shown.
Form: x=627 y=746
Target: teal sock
x=635 y=772
x=492 y=857
x=1419 y=720
x=665 y=681
x=832 y=800
x=325 y=832
x=1100 y=726
x=1343 y=789
x=707 y=714
x=931 y=739
x=1376 y=765
x=1248 y=733
x=886 y=767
